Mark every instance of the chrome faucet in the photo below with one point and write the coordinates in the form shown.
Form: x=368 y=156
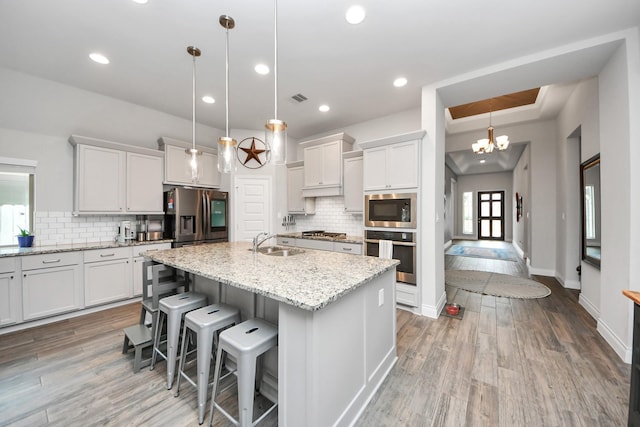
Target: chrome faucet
x=257 y=241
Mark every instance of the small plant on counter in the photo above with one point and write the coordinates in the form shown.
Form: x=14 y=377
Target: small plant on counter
x=25 y=238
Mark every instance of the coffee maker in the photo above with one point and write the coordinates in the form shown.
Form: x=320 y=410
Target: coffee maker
x=125 y=233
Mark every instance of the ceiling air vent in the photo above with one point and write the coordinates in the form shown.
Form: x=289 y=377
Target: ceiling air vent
x=299 y=97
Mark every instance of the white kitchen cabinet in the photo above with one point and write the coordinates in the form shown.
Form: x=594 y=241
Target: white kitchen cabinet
x=10 y=296
x=323 y=245
x=353 y=190
x=138 y=261
x=51 y=284
x=286 y=241
x=406 y=294
x=296 y=202
x=114 y=178
x=144 y=183
x=176 y=161
x=107 y=275
x=392 y=163
x=323 y=164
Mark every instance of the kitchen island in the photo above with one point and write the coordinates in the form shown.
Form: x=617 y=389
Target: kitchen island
x=335 y=315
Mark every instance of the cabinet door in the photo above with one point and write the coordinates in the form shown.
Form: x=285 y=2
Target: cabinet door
x=100 y=179
x=295 y=179
x=353 y=190
x=210 y=176
x=313 y=166
x=50 y=291
x=332 y=163
x=144 y=183
x=107 y=281
x=175 y=165
x=402 y=165
x=10 y=299
x=375 y=168
x=137 y=275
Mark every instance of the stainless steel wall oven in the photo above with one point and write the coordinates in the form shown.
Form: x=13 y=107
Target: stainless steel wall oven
x=404 y=250
x=390 y=210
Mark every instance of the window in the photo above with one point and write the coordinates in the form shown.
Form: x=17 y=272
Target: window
x=467 y=212
x=589 y=212
x=17 y=194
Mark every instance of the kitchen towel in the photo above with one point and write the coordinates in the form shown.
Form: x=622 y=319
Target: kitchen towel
x=385 y=249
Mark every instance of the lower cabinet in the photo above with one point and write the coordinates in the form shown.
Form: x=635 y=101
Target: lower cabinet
x=107 y=275
x=51 y=284
x=406 y=294
x=10 y=296
x=323 y=245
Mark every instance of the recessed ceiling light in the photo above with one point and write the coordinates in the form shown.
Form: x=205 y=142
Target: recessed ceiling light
x=141 y=1
x=482 y=160
x=324 y=108
x=208 y=99
x=355 y=14
x=399 y=82
x=99 y=58
x=262 y=69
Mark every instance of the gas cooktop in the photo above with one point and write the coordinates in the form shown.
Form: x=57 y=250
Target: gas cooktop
x=322 y=233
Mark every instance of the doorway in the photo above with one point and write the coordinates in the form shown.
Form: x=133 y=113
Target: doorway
x=252 y=207
x=490 y=215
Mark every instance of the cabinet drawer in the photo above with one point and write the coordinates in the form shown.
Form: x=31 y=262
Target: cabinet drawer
x=286 y=241
x=58 y=259
x=348 y=248
x=137 y=250
x=8 y=264
x=106 y=254
x=407 y=294
x=323 y=245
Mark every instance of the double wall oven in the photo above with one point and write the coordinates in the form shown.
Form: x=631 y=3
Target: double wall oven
x=393 y=217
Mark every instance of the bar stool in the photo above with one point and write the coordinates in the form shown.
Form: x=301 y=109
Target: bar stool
x=173 y=308
x=205 y=322
x=245 y=342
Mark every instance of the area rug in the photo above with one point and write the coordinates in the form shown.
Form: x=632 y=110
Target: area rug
x=499 y=285
x=481 y=252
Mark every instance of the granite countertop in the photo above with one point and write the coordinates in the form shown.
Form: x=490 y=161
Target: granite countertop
x=39 y=250
x=310 y=280
x=347 y=239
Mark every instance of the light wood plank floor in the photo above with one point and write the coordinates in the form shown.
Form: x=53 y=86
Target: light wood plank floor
x=506 y=363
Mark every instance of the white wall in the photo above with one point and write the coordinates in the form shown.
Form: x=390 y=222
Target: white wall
x=522 y=186
x=486 y=182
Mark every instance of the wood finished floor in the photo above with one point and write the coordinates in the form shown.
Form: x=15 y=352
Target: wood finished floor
x=507 y=362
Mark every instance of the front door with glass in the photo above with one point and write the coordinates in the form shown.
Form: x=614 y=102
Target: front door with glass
x=491 y=215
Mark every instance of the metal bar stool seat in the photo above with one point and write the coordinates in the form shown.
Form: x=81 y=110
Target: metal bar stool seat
x=205 y=322
x=245 y=342
x=173 y=309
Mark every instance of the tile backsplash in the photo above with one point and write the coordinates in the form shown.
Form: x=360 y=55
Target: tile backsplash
x=330 y=216
x=60 y=228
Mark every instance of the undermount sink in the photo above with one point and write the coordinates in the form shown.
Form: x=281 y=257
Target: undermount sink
x=279 y=251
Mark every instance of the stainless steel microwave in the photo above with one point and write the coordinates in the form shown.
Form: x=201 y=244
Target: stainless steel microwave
x=390 y=210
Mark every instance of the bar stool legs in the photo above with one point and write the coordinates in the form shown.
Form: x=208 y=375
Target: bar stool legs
x=246 y=342
x=206 y=322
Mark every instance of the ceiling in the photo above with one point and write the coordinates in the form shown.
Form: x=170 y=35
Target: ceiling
x=349 y=67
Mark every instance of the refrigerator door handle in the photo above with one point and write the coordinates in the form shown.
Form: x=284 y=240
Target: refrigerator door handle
x=207 y=218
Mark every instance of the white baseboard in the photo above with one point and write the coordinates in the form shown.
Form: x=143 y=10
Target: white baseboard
x=621 y=349
x=568 y=284
x=589 y=306
x=434 y=312
x=542 y=271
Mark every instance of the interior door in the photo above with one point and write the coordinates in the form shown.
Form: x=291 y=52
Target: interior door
x=252 y=207
x=491 y=215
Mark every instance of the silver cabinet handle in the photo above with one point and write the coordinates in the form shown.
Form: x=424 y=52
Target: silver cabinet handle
x=107 y=255
x=346 y=249
x=51 y=261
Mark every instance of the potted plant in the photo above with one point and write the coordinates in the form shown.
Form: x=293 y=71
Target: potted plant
x=25 y=238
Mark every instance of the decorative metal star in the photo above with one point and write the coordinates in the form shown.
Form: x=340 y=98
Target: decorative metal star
x=252 y=152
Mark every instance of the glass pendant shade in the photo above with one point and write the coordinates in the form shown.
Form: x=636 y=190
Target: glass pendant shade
x=502 y=142
x=226 y=154
x=193 y=166
x=276 y=139
x=194 y=169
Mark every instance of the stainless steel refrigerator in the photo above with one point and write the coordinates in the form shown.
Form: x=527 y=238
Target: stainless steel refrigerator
x=194 y=216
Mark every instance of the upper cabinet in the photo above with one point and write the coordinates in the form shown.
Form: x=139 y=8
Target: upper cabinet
x=176 y=164
x=114 y=178
x=392 y=163
x=323 y=164
x=353 y=194
x=296 y=202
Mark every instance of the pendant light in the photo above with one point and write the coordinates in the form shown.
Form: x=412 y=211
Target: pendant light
x=226 y=144
x=276 y=133
x=193 y=167
x=487 y=145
